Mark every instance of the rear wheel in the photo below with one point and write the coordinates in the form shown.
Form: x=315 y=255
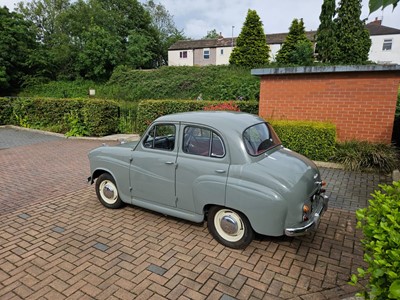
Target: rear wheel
x=107 y=191
x=230 y=228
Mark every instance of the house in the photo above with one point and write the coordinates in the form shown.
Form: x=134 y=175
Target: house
x=385 y=48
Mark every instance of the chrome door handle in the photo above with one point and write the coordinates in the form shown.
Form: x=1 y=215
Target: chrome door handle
x=220 y=171
x=169 y=162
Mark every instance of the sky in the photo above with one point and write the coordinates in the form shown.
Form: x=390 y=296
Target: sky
x=197 y=17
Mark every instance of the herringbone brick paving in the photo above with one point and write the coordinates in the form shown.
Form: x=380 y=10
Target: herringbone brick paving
x=58 y=242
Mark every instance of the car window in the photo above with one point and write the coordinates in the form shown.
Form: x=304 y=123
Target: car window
x=161 y=136
x=202 y=141
x=259 y=138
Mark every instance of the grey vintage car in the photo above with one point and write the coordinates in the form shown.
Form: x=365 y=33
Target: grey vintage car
x=228 y=168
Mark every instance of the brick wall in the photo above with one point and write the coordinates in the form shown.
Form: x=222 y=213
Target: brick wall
x=361 y=104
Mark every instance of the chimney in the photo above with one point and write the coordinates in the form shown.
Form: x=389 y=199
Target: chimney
x=376 y=22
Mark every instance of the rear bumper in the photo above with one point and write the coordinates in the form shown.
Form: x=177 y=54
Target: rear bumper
x=313 y=223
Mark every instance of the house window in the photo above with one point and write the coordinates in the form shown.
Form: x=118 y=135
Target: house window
x=206 y=53
x=183 y=54
x=222 y=51
x=387 y=45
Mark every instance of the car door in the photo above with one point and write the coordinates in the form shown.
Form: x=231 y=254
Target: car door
x=202 y=168
x=152 y=172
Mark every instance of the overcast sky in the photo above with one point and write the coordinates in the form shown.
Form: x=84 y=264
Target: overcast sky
x=196 y=17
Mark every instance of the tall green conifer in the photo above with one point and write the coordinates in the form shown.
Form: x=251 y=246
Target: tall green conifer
x=297 y=48
x=251 y=48
x=352 y=37
x=326 y=46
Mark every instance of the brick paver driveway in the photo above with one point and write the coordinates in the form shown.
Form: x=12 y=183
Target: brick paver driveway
x=58 y=242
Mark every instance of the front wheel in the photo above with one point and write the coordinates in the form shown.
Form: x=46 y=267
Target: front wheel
x=107 y=191
x=229 y=227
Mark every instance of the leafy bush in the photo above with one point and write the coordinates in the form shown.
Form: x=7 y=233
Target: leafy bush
x=213 y=82
x=223 y=106
x=6 y=110
x=70 y=116
x=315 y=140
x=150 y=110
x=364 y=156
x=380 y=223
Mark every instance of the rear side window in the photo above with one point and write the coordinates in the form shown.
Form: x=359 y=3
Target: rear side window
x=202 y=141
x=259 y=138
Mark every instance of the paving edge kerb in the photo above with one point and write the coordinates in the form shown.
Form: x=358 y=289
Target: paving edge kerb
x=136 y=137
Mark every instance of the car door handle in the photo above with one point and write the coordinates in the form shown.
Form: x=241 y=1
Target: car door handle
x=220 y=171
x=169 y=162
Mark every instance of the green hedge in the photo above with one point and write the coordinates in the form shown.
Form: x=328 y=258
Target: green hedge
x=212 y=82
x=150 y=110
x=315 y=140
x=380 y=223
x=90 y=117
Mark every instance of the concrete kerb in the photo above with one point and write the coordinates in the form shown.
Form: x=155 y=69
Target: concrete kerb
x=114 y=137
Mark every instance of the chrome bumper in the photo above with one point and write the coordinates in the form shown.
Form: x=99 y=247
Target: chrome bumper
x=312 y=224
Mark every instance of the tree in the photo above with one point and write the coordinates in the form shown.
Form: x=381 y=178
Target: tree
x=326 y=46
x=165 y=31
x=251 y=48
x=212 y=34
x=352 y=37
x=376 y=4
x=297 y=48
x=17 y=46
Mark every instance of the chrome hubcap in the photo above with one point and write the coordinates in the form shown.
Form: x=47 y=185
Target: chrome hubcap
x=229 y=225
x=108 y=191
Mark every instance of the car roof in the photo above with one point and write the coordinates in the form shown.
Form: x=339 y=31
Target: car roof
x=222 y=120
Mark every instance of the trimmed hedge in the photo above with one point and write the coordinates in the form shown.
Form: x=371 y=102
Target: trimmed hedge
x=149 y=110
x=315 y=140
x=185 y=82
x=90 y=117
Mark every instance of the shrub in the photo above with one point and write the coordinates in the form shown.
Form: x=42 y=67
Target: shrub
x=364 y=156
x=6 y=110
x=213 y=82
x=70 y=116
x=315 y=140
x=223 y=106
x=380 y=223
x=150 y=110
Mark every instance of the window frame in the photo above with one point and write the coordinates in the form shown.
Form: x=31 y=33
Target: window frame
x=212 y=135
x=153 y=133
x=387 y=45
x=204 y=53
x=183 y=54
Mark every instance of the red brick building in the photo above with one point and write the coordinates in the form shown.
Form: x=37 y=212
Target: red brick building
x=359 y=100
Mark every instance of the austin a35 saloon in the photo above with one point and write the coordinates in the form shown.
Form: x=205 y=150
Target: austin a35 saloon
x=227 y=168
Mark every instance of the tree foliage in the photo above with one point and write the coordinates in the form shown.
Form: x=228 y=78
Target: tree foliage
x=90 y=38
x=251 y=48
x=297 y=48
x=352 y=37
x=326 y=45
x=212 y=34
x=17 y=48
x=343 y=39
x=377 y=4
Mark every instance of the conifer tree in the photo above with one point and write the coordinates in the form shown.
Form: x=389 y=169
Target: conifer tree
x=297 y=48
x=326 y=46
x=251 y=48
x=352 y=37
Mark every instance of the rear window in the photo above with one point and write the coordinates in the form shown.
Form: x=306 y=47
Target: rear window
x=259 y=138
